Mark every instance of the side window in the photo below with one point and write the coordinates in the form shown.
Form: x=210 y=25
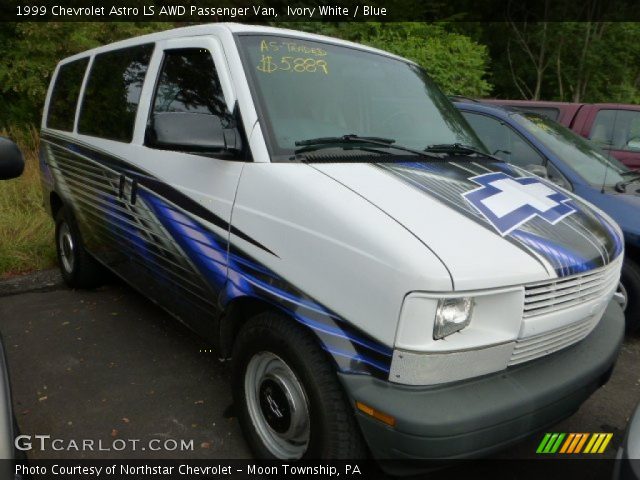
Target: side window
x=64 y=98
x=503 y=141
x=617 y=129
x=188 y=83
x=113 y=92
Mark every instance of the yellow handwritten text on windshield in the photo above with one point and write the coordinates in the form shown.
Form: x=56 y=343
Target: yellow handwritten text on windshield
x=293 y=57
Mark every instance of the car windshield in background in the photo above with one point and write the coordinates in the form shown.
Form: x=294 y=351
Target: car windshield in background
x=593 y=165
x=307 y=89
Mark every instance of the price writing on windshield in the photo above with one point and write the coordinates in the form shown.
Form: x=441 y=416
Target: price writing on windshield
x=289 y=46
x=269 y=64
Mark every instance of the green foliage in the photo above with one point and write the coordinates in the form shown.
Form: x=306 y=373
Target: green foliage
x=568 y=61
x=30 y=52
x=456 y=63
x=26 y=230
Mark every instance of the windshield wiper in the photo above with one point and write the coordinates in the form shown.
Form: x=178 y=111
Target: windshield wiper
x=360 y=142
x=630 y=173
x=312 y=142
x=459 y=149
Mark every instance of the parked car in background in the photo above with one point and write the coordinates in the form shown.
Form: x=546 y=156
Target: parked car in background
x=615 y=127
x=546 y=148
x=11 y=166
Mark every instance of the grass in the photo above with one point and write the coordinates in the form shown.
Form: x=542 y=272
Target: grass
x=26 y=230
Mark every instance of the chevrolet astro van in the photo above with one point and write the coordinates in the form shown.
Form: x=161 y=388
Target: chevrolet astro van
x=325 y=217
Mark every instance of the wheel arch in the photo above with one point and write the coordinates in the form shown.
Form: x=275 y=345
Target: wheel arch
x=240 y=310
x=632 y=252
x=236 y=313
x=55 y=203
x=347 y=348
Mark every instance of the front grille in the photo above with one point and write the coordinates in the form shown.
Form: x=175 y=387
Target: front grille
x=540 y=345
x=546 y=297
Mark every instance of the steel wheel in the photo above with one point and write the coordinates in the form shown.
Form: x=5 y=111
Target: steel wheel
x=66 y=247
x=624 y=298
x=277 y=405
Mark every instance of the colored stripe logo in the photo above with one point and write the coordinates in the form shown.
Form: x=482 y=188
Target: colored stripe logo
x=574 y=443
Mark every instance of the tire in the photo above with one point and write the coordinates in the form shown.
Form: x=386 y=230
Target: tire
x=79 y=269
x=272 y=352
x=630 y=280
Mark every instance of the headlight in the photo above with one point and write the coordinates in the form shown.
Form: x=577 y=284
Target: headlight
x=452 y=315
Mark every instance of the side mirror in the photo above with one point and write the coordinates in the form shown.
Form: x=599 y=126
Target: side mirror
x=191 y=132
x=539 y=170
x=11 y=161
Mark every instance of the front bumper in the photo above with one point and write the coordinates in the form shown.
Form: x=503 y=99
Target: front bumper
x=473 y=418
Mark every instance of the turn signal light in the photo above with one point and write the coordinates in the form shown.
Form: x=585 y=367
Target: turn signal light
x=377 y=414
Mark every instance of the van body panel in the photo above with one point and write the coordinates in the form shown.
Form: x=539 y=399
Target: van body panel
x=334 y=245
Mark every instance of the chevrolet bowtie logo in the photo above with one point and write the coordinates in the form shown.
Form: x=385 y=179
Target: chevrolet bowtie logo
x=508 y=202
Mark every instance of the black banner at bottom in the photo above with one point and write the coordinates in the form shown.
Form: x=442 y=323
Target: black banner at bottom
x=368 y=469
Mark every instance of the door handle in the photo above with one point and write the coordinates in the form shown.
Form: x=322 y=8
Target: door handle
x=121 y=185
x=133 y=189
x=134 y=192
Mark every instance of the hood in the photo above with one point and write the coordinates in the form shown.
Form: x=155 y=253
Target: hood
x=492 y=224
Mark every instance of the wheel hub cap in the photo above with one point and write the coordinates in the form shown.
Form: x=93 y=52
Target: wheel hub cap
x=67 y=248
x=277 y=405
x=622 y=291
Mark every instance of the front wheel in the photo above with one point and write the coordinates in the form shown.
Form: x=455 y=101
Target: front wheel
x=630 y=290
x=290 y=403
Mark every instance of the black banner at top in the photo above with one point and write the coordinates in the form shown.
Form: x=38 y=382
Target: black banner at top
x=265 y=11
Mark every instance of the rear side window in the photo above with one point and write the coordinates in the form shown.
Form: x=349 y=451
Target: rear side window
x=617 y=129
x=64 y=98
x=113 y=92
x=188 y=83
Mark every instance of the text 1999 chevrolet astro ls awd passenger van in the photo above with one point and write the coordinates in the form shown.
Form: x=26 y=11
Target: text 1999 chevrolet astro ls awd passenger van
x=273 y=190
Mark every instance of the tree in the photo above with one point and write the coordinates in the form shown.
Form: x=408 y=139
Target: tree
x=456 y=62
x=30 y=52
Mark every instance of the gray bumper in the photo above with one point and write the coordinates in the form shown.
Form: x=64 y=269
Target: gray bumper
x=476 y=417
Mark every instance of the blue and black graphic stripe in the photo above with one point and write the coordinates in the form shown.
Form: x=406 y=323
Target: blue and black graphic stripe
x=228 y=267
x=576 y=243
x=166 y=234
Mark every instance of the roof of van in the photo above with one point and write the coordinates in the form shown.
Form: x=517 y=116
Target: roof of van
x=213 y=28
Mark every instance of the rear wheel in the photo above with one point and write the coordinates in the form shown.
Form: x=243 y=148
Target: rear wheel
x=79 y=269
x=630 y=290
x=289 y=401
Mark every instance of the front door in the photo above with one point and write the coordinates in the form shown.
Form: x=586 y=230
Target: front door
x=182 y=201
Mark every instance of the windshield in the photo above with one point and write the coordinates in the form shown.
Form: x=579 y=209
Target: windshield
x=305 y=89
x=580 y=154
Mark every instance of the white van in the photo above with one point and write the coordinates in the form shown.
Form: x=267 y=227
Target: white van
x=324 y=216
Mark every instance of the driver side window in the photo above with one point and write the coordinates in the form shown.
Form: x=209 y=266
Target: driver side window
x=188 y=83
x=502 y=141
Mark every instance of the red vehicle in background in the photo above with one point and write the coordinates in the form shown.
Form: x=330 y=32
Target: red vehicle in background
x=615 y=127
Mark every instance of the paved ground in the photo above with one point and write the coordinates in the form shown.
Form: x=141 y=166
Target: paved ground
x=107 y=365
